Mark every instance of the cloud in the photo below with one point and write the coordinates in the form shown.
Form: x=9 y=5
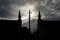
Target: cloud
x=11 y=7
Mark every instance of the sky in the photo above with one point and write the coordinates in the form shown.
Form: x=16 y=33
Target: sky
x=50 y=10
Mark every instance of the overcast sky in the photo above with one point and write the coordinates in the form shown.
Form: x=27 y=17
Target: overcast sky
x=50 y=10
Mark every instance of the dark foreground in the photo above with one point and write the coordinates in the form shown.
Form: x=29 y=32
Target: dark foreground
x=9 y=30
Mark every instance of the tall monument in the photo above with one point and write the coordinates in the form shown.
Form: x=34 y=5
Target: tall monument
x=19 y=27
x=39 y=23
x=39 y=19
x=29 y=20
x=19 y=20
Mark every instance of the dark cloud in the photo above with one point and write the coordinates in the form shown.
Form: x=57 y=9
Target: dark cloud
x=43 y=5
x=8 y=7
x=57 y=6
x=5 y=14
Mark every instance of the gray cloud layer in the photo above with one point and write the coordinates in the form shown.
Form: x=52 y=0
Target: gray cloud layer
x=50 y=8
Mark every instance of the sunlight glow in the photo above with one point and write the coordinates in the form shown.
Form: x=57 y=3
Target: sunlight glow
x=25 y=11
